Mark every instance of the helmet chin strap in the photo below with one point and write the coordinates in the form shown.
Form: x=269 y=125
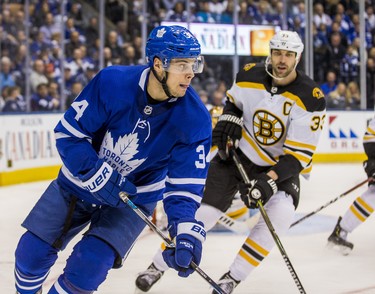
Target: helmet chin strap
x=163 y=82
x=268 y=62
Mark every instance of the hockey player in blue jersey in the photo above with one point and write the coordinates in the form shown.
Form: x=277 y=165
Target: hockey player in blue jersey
x=138 y=129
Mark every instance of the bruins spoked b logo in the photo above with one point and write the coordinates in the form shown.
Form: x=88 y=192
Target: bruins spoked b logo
x=268 y=129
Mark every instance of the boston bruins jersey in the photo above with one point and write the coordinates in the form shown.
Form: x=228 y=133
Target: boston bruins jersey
x=278 y=120
x=369 y=139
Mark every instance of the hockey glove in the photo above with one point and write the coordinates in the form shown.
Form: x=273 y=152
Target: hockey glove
x=105 y=184
x=261 y=188
x=189 y=235
x=228 y=127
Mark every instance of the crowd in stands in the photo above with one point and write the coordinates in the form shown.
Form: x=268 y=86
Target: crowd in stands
x=335 y=41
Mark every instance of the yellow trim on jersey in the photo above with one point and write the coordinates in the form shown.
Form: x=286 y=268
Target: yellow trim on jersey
x=371 y=131
x=251 y=85
x=295 y=98
x=300 y=157
x=365 y=205
x=299 y=144
x=230 y=97
x=307 y=170
x=256 y=148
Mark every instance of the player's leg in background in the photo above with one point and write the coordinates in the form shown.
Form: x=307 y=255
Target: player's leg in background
x=358 y=212
x=258 y=244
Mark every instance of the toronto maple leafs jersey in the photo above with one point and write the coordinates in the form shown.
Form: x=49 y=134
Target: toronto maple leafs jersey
x=278 y=120
x=161 y=148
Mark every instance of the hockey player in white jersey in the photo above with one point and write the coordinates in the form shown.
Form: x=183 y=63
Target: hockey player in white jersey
x=138 y=129
x=274 y=114
x=362 y=207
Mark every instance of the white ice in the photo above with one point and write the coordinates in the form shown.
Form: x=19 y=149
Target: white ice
x=321 y=270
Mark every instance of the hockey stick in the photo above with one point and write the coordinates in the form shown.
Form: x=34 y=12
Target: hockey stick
x=169 y=242
x=269 y=225
x=330 y=202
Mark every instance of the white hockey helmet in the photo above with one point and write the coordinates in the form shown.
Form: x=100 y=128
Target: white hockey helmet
x=287 y=40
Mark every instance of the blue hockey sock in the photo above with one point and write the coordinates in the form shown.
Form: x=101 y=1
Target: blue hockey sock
x=34 y=258
x=88 y=265
x=62 y=285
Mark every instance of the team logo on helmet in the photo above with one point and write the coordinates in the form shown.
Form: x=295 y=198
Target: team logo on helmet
x=160 y=33
x=268 y=129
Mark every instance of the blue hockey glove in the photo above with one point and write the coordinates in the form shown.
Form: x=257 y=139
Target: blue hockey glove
x=189 y=235
x=105 y=184
x=261 y=188
x=228 y=127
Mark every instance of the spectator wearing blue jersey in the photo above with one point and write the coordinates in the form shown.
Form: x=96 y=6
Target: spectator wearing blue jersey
x=141 y=130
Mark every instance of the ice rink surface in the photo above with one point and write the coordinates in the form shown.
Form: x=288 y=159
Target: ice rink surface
x=321 y=270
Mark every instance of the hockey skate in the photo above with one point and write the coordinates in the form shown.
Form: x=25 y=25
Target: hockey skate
x=148 y=278
x=338 y=238
x=227 y=283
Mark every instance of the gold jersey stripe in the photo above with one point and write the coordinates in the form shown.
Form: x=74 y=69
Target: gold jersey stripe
x=250 y=85
x=261 y=154
x=295 y=98
x=299 y=144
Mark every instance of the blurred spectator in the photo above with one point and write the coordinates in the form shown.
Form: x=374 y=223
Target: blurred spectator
x=336 y=99
x=335 y=53
x=335 y=29
x=123 y=35
x=49 y=28
x=128 y=57
x=178 y=13
x=53 y=90
x=353 y=96
x=75 y=90
x=320 y=17
x=92 y=31
x=42 y=101
x=37 y=75
x=75 y=13
x=3 y=95
x=76 y=64
x=320 y=45
x=370 y=83
x=204 y=98
x=107 y=57
x=218 y=98
x=263 y=17
x=14 y=101
x=244 y=16
x=226 y=16
x=330 y=84
x=73 y=43
x=87 y=76
x=38 y=45
x=349 y=66
x=370 y=17
x=6 y=77
x=112 y=44
x=204 y=14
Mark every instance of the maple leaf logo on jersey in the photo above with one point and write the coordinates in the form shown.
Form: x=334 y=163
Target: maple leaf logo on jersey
x=120 y=154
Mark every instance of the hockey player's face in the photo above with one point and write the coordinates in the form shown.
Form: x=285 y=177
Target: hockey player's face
x=283 y=62
x=180 y=75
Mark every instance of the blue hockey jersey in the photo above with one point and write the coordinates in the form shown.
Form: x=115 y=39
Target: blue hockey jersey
x=161 y=148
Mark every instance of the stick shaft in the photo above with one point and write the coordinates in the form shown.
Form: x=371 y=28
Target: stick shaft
x=330 y=202
x=269 y=225
x=169 y=242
